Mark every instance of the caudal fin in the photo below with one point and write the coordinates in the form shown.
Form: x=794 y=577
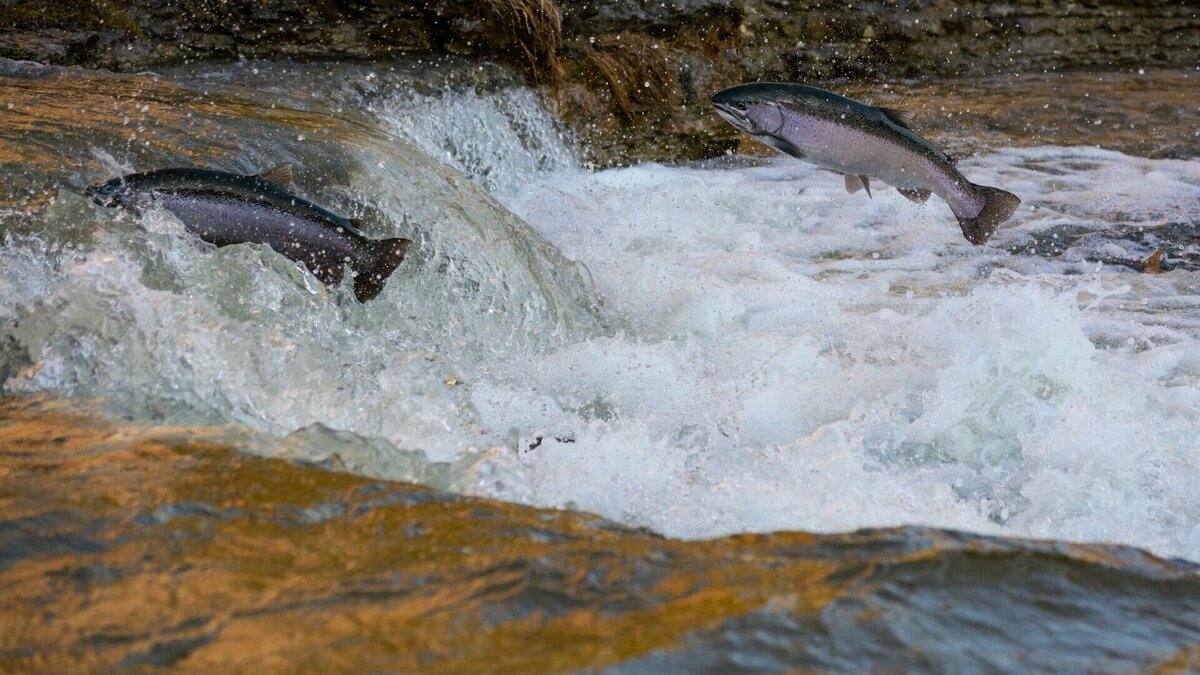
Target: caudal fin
x=388 y=254
x=998 y=206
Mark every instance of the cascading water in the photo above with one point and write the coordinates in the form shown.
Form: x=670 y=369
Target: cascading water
x=738 y=346
x=134 y=309
x=798 y=358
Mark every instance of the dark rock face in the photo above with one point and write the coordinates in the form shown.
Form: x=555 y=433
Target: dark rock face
x=659 y=17
x=633 y=76
x=134 y=34
x=807 y=39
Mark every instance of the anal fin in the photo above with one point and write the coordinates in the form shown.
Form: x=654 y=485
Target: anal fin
x=915 y=195
x=856 y=183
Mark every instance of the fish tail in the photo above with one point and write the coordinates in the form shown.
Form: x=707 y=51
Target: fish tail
x=997 y=207
x=387 y=255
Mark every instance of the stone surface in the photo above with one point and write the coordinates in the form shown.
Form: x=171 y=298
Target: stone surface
x=128 y=548
x=811 y=39
x=632 y=76
x=661 y=17
x=136 y=34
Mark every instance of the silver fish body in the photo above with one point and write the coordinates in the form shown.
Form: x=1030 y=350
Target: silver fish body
x=862 y=142
x=227 y=208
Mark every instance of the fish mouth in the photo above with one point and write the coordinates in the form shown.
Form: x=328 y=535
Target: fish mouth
x=103 y=194
x=107 y=201
x=734 y=116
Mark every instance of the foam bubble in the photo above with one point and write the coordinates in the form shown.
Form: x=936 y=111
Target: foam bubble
x=805 y=359
x=782 y=355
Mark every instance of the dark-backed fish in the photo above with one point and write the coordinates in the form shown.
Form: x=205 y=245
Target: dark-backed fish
x=862 y=142
x=229 y=208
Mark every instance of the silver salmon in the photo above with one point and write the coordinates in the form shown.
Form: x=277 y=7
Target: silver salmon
x=229 y=208
x=862 y=142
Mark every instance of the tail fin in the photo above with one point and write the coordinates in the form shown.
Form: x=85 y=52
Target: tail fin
x=388 y=254
x=997 y=207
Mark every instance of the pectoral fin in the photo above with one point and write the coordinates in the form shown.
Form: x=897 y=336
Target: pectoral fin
x=918 y=196
x=781 y=145
x=856 y=183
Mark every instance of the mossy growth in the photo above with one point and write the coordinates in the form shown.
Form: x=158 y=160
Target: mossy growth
x=69 y=15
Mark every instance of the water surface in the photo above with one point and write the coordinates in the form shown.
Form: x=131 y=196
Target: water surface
x=722 y=348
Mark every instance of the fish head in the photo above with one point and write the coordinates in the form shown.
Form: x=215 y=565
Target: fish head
x=750 y=109
x=126 y=192
x=110 y=193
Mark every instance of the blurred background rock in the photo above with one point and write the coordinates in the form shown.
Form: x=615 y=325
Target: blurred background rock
x=632 y=77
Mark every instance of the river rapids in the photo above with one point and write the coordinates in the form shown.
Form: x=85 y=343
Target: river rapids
x=704 y=349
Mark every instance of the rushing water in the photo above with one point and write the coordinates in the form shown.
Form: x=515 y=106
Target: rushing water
x=127 y=546
x=706 y=349
x=801 y=358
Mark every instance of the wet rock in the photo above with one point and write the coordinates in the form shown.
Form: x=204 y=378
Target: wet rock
x=397 y=577
x=526 y=32
x=661 y=17
x=810 y=39
x=594 y=56
x=138 y=34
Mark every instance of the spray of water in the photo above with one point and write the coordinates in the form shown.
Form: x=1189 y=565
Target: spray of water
x=738 y=346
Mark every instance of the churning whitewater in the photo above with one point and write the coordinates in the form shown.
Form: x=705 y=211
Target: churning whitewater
x=771 y=352
x=797 y=358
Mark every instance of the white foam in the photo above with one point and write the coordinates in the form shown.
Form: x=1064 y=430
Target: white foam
x=787 y=356
x=498 y=140
x=805 y=359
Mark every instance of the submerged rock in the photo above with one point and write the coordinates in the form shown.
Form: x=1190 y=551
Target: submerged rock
x=124 y=547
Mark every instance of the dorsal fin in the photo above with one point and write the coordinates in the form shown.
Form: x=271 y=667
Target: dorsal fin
x=1153 y=264
x=900 y=117
x=280 y=175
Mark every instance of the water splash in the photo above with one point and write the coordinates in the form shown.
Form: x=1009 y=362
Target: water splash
x=100 y=303
x=500 y=140
x=804 y=359
x=784 y=355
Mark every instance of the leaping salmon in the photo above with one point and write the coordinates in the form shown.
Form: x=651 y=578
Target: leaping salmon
x=228 y=208
x=862 y=142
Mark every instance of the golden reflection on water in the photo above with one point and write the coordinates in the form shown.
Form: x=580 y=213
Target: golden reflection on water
x=127 y=546
x=51 y=124
x=143 y=539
